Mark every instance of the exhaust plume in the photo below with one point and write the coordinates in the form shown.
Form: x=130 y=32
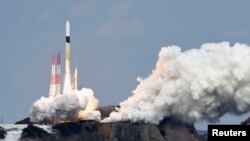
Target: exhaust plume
x=194 y=85
x=67 y=107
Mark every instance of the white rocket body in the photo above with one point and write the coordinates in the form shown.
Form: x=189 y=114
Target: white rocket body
x=67 y=89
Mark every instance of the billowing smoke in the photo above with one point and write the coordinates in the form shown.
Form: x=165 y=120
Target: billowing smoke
x=194 y=85
x=66 y=107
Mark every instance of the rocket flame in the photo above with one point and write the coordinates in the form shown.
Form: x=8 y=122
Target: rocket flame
x=89 y=111
x=81 y=114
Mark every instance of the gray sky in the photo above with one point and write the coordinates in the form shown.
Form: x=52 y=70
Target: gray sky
x=113 y=43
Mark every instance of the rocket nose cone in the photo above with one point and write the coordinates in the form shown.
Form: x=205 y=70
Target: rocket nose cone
x=67 y=28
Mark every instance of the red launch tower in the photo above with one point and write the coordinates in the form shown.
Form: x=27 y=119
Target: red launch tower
x=55 y=82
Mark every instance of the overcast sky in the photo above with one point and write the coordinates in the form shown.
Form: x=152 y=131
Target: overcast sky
x=112 y=41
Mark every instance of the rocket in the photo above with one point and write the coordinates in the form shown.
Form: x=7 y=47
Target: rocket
x=67 y=53
x=67 y=89
x=55 y=76
x=55 y=86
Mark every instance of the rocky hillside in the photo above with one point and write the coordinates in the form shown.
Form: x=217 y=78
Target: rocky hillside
x=167 y=130
x=118 y=131
x=2 y=133
x=246 y=122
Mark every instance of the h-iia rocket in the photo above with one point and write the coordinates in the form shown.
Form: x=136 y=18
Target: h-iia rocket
x=68 y=87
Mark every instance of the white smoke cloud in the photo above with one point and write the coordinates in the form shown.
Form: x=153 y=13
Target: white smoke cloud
x=65 y=107
x=199 y=84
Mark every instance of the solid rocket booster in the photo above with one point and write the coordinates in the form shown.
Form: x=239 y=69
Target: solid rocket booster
x=75 y=84
x=67 y=89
